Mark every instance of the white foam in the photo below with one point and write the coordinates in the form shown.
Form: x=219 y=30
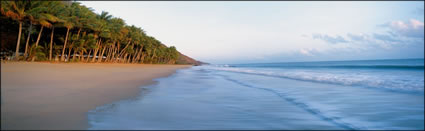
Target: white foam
x=346 y=78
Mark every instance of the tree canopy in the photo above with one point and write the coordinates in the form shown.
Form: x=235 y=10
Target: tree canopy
x=70 y=32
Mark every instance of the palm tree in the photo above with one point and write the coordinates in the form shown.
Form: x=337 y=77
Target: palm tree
x=44 y=15
x=28 y=40
x=118 y=32
x=99 y=27
x=86 y=32
x=81 y=14
x=68 y=22
x=36 y=7
x=17 y=11
x=56 y=8
x=44 y=21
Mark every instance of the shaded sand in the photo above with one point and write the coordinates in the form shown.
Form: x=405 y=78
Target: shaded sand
x=58 y=96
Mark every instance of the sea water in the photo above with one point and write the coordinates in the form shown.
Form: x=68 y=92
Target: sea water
x=370 y=94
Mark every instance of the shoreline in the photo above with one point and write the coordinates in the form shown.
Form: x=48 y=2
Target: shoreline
x=38 y=95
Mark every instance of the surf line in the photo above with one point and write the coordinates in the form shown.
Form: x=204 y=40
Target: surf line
x=357 y=85
x=301 y=105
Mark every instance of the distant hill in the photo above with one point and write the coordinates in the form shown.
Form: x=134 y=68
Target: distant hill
x=183 y=59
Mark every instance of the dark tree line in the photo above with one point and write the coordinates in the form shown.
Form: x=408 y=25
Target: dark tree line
x=69 y=31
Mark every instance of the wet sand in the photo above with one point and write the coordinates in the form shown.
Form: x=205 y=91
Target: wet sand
x=58 y=96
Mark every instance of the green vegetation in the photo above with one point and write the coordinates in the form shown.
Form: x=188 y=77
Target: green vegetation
x=70 y=32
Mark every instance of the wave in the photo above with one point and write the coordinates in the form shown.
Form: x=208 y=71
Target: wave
x=397 y=64
x=412 y=85
x=405 y=67
x=302 y=105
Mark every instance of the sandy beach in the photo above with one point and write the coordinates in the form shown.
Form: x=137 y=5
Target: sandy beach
x=58 y=96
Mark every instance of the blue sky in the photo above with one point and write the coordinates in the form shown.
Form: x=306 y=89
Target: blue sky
x=280 y=31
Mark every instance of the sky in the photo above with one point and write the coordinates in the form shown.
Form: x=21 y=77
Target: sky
x=233 y=32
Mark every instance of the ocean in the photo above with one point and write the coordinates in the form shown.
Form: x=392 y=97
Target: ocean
x=363 y=94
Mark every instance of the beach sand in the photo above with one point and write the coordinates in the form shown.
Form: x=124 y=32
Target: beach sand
x=58 y=96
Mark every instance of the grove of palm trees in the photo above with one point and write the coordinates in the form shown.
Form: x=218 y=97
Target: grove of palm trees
x=65 y=31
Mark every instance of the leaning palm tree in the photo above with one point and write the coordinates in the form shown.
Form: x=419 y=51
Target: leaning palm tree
x=30 y=31
x=44 y=21
x=100 y=30
x=55 y=9
x=36 y=7
x=43 y=16
x=79 y=12
x=117 y=33
x=17 y=11
x=68 y=22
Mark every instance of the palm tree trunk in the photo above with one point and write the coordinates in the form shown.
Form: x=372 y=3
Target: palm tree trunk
x=51 y=44
x=88 y=56
x=73 y=57
x=142 y=60
x=137 y=55
x=112 y=52
x=96 y=50
x=125 y=57
x=140 y=52
x=64 y=45
x=134 y=56
x=18 y=42
x=101 y=55
x=115 y=54
x=153 y=55
x=95 y=54
x=28 y=40
x=78 y=34
x=36 y=43
x=124 y=48
x=39 y=36
x=109 y=53
x=81 y=57
x=69 y=54
x=129 y=58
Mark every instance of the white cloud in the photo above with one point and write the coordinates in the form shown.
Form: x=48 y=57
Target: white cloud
x=305 y=52
x=416 y=24
x=411 y=28
x=329 y=38
x=399 y=25
x=358 y=37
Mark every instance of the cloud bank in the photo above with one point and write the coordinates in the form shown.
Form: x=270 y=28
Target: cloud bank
x=330 y=39
x=412 y=28
x=398 y=32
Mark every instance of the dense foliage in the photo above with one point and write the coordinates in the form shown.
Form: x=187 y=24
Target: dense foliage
x=69 y=31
